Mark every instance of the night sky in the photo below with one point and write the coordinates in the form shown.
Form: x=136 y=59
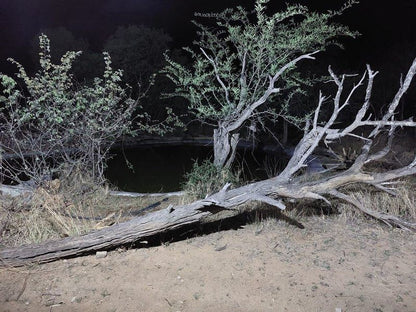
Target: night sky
x=388 y=29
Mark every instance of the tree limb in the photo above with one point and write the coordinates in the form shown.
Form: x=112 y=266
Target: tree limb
x=248 y=111
x=217 y=76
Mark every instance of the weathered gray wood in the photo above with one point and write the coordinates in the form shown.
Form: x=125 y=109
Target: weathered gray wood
x=15 y=190
x=174 y=218
x=133 y=194
x=20 y=190
x=107 y=238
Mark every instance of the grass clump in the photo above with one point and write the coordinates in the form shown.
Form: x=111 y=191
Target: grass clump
x=50 y=212
x=402 y=205
x=58 y=209
x=206 y=178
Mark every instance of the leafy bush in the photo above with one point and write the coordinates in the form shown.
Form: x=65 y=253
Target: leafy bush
x=206 y=178
x=55 y=125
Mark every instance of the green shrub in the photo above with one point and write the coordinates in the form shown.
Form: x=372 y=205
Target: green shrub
x=52 y=124
x=206 y=178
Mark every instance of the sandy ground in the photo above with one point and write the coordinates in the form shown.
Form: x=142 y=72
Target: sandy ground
x=267 y=266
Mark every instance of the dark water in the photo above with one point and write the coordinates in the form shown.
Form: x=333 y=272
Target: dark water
x=162 y=169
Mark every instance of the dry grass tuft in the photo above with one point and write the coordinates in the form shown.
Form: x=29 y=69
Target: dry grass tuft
x=402 y=205
x=56 y=211
x=47 y=214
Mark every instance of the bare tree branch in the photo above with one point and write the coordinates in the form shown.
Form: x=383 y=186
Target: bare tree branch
x=217 y=75
x=246 y=114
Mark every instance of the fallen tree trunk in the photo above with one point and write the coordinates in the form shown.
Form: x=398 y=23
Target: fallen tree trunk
x=173 y=218
x=21 y=190
x=15 y=190
x=133 y=194
x=107 y=238
x=289 y=184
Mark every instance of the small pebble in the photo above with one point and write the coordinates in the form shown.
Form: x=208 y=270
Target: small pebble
x=76 y=299
x=101 y=254
x=221 y=248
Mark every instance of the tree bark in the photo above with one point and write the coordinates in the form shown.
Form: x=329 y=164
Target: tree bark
x=226 y=136
x=225 y=146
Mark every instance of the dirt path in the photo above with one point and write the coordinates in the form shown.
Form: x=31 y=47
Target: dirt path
x=267 y=266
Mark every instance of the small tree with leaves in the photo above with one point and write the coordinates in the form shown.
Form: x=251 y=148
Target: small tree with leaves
x=53 y=125
x=244 y=62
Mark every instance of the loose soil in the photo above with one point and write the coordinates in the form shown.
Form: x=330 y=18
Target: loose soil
x=264 y=266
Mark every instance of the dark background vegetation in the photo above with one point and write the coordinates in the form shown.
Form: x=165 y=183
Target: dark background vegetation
x=388 y=28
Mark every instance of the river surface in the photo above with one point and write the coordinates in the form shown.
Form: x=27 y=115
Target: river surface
x=162 y=169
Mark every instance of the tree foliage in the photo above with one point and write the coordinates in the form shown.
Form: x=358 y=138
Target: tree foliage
x=86 y=66
x=54 y=123
x=244 y=61
x=239 y=52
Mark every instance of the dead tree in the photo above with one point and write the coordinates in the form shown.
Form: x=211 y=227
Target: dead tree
x=289 y=184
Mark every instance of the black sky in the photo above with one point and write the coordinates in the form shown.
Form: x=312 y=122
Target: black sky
x=388 y=27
